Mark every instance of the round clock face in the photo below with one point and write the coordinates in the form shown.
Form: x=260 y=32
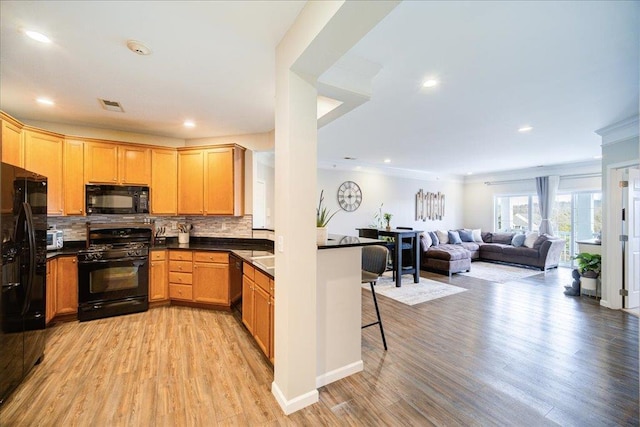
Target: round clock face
x=349 y=196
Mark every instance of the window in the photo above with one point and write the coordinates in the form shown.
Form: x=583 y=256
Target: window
x=575 y=216
x=517 y=213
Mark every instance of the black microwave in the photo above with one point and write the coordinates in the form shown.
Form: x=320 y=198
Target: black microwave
x=117 y=199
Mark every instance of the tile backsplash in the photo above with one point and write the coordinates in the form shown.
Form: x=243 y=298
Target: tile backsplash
x=74 y=228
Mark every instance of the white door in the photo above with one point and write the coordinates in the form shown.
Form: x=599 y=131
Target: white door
x=632 y=251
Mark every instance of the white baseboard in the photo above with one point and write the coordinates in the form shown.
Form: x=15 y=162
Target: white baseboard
x=292 y=405
x=337 y=374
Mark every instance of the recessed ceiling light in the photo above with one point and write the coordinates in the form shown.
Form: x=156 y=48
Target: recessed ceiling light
x=525 y=129
x=138 y=47
x=430 y=83
x=37 y=36
x=189 y=124
x=44 y=101
x=387 y=160
x=469 y=173
x=599 y=156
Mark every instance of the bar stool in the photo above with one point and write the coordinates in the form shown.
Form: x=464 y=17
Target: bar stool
x=374 y=263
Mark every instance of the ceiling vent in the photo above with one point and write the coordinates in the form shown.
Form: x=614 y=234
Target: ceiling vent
x=111 y=105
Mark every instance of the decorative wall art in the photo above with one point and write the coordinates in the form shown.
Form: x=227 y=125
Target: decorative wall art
x=429 y=206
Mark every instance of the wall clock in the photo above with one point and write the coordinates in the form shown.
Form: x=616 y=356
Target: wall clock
x=349 y=196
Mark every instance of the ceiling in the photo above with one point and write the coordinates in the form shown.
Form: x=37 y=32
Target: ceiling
x=564 y=68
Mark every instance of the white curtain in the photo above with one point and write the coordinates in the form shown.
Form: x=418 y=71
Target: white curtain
x=546 y=187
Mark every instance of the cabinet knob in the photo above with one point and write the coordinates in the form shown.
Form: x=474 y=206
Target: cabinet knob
x=73 y=260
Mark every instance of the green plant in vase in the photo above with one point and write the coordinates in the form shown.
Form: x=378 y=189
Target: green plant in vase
x=323 y=216
x=589 y=265
x=387 y=217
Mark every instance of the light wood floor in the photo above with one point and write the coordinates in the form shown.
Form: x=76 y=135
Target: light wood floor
x=519 y=353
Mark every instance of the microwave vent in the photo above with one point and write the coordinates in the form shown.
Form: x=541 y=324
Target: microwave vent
x=111 y=105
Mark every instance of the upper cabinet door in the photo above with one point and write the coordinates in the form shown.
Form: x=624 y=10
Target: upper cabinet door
x=135 y=165
x=101 y=162
x=164 y=182
x=43 y=155
x=115 y=164
x=218 y=190
x=73 y=184
x=12 y=144
x=190 y=182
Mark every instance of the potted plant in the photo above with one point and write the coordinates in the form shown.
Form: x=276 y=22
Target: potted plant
x=589 y=266
x=387 y=217
x=323 y=216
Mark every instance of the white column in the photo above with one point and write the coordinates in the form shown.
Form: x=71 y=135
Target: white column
x=321 y=34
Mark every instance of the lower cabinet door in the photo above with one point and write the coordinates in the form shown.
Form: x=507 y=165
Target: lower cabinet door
x=247 y=303
x=262 y=319
x=211 y=283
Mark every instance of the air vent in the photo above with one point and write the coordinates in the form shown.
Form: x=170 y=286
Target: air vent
x=111 y=105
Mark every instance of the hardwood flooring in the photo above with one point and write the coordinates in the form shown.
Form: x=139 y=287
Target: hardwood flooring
x=519 y=353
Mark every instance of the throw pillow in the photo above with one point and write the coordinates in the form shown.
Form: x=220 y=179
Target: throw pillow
x=477 y=235
x=466 y=235
x=443 y=237
x=540 y=240
x=532 y=236
x=425 y=241
x=434 y=238
x=503 y=238
x=518 y=240
x=454 y=237
x=487 y=237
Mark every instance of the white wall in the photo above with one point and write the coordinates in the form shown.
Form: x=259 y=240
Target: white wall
x=396 y=193
x=479 y=197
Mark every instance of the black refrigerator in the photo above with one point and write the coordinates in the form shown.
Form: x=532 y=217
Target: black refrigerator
x=23 y=224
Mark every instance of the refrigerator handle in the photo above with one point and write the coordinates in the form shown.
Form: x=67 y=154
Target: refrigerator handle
x=31 y=235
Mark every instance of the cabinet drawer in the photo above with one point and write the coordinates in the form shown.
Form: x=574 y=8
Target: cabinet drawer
x=158 y=255
x=219 y=257
x=180 y=278
x=262 y=281
x=180 y=255
x=184 y=292
x=180 y=266
x=248 y=270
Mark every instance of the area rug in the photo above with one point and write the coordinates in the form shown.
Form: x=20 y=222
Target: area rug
x=412 y=293
x=498 y=273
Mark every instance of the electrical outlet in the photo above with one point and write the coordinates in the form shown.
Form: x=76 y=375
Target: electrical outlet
x=174 y=225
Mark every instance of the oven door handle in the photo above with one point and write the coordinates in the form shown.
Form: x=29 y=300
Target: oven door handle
x=105 y=261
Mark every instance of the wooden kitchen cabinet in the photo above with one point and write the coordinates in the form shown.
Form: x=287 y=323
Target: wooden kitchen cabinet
x=159 y=276
x=101 y=162
x=50 y=303
x=180 y=275
x=67 y=285
x=190 y=182
x=110 y=163
x=257 y=308
x=272 y=321
x=211 y=181
x=247 y=301
x=12 y=141
x=211 y=278
x=164 y=182
x=135 y=165
x=73 y=177
x=44 y=155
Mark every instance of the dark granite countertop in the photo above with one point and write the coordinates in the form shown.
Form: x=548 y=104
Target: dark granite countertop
x=246 y=249
x=340 y=241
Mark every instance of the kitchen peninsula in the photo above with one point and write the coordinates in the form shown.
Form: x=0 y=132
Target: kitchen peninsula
x=339 y=307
